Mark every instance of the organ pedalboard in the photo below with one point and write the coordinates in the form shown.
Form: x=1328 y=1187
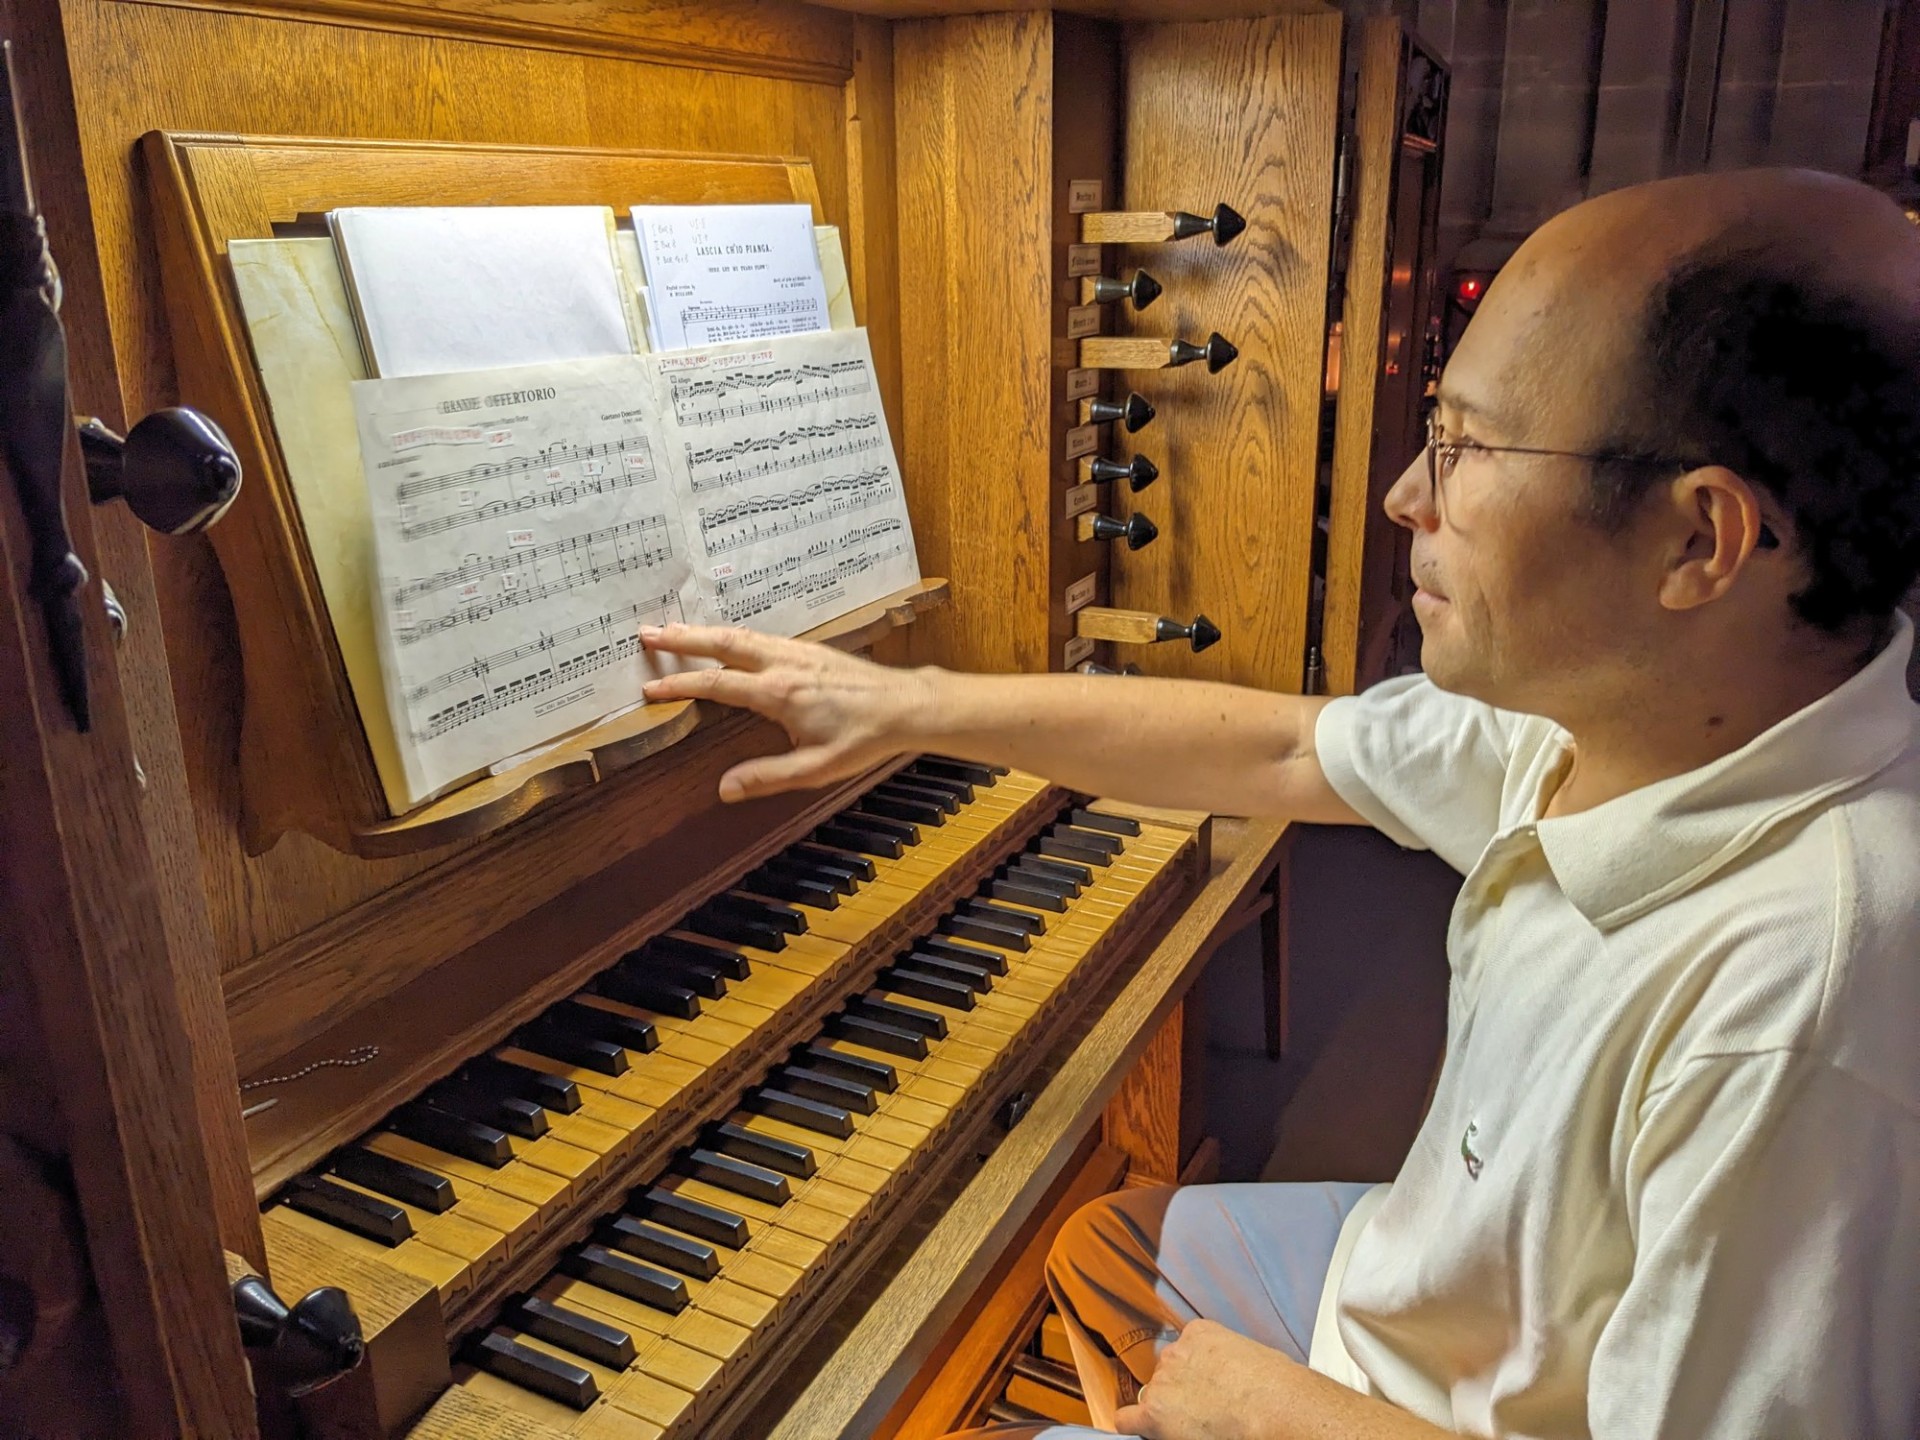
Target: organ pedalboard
x=624 y=1203
x=1098 y=354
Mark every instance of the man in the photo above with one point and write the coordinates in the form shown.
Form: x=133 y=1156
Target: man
x=1669 y=1182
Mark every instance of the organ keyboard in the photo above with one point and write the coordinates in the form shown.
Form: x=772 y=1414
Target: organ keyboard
x=655 y=1181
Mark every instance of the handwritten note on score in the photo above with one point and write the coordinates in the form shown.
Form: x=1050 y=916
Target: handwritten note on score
x=717 y=273
x=523 y=527
x=793 y=504
x=527 y=522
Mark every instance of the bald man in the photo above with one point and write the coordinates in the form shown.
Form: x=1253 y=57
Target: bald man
x=1669 y=1184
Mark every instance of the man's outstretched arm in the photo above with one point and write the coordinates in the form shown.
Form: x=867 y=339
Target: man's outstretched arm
x=1179 y=743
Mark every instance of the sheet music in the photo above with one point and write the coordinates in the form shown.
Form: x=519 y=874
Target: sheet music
x=718 y=273
x=524 y=526
x=793 y=509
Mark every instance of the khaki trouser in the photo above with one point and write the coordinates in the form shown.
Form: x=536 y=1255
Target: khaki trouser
x=1129 y=1270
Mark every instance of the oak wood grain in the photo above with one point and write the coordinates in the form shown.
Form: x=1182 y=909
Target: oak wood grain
x=1142 y=1120
x=1241 y=111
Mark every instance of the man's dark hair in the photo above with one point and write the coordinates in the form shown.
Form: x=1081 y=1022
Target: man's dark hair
x=1748 y=359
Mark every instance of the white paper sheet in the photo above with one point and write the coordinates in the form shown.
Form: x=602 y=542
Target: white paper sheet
x=438 y=289
x=793 y=509
x=718 y=273
x=524 y=529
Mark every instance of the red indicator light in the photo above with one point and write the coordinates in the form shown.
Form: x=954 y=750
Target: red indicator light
x=1470 y=288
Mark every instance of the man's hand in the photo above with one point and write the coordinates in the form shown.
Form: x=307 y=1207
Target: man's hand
x=1212 y=1384
x=843 y=714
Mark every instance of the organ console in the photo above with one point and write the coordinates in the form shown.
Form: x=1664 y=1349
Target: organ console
x=575 y=1103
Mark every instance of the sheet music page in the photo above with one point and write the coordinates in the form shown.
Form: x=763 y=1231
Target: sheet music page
x=792 y=506
x=524 y=528
x=717 y=273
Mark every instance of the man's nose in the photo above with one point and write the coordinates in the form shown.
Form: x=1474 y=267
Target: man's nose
x=1410 y=501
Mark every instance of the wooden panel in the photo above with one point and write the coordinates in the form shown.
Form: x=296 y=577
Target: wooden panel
x=135 y=68
x=901 y=1327
x=1142 y=1121
x=974 y=103
x=1105 y=9
x=1245 y=112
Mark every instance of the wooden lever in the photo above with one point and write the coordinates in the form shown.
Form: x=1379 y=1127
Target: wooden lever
x=1150 y=227
x=1138 y=472
x=1134 y=412
x=1139 y=532
x=1144 y=353
x=1143 y=627
x=1142 y=290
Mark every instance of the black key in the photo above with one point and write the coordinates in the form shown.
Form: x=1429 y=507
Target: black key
x=964 y=769
x=1112 y=824
x=550 y=1092
x=833 y=857
x=808 y=1114
x=721 y=961
x=975 y=977
x=470 y=1140
x=556 y=1041
x=1025 y=871
x=740 y=929
x=504 y=1112
x=631 y=985
x=1080 y=875
x=991 y=932
x=900 y=1015
x=586 y=1337
x=901 y=807
x=867 y=842
x=336 y=1204
x=768 y=1150
x=796 y=889
x=629 y=1032
x=646 y=1241
x=1001 y=914
x=1056 y=848
x=533 y=1369
x=695 y=1217
x=831 y=1089
x=742 y=1177
x=610 y=1270
x=905 y=831
x=1015 y=893
x=1108 y=845
x=395 y=1179
x=944 y=800
x=875 y=1074
x=839 y=878
x=670 y=970
x=772 y=912
x=966 y=954
x=960 y=790
x=923 y=985
x=876 y=1034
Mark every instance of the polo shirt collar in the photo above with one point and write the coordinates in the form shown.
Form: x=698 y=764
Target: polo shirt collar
x=1619 y=860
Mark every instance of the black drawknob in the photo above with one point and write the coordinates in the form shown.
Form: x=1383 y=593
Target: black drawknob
x=1218 y=352
x=1225 y=223
x=1142 y=290
x=318 y=1338
x=1134 y=412
x=176 y=470
x=1092 y=669
x=1139 y=532
x=1138 y=472
x=1200 y=634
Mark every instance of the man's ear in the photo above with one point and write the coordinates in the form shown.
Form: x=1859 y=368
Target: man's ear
x=1717 y=526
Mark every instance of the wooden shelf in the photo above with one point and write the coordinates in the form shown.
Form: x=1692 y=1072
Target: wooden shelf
x=606 y=748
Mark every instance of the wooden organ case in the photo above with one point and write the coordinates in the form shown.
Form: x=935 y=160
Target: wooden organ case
x=614 y=1111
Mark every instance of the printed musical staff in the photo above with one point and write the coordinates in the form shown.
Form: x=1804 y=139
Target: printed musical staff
x=557 y=497
x=634 y=454
x=718 y=466
x=728 y=528
x=705 y=400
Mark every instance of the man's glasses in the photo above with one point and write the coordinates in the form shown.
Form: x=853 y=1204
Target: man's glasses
x=1443 y=455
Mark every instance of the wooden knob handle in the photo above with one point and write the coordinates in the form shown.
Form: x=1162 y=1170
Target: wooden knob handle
x=1143 y=627
x=1152 y=227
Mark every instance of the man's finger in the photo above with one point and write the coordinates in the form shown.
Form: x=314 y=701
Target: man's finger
x=741 y=649
x=730 y=687
x=1131 y=1419
x=800 y=769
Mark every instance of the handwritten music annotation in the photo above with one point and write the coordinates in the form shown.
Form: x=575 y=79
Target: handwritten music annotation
x=528 y=521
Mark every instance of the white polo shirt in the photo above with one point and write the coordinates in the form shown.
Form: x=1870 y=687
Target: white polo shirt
x=1669 y=1185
